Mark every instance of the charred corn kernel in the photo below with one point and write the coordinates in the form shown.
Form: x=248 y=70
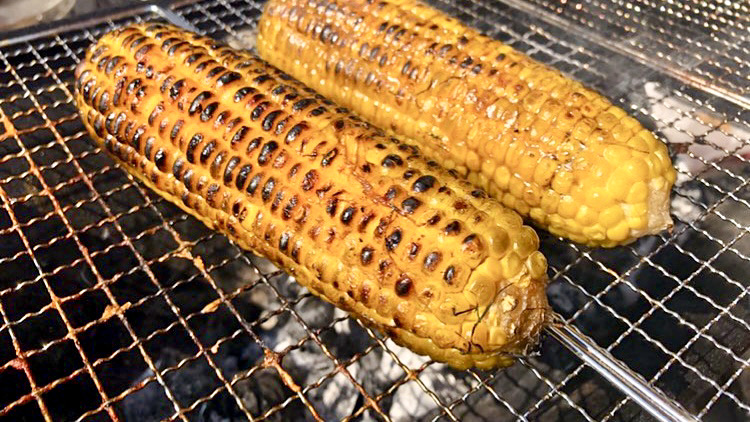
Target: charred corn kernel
x=358 y=217
x=475 y=102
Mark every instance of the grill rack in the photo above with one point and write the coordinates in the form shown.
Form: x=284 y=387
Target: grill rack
x=111 y=271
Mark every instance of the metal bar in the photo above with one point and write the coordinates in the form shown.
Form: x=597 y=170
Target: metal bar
x=662 y=66
x=655 y=402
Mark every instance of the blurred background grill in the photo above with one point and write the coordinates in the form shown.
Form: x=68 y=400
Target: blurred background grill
x=114 y=305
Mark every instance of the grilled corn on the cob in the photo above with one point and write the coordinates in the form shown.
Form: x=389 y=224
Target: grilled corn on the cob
x=357 y=217
x=542 y=144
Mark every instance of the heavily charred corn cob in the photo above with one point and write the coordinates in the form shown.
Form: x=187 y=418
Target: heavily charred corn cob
x=540 y=143
x=357 y=217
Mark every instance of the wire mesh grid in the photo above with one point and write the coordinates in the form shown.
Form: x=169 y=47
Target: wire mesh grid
x=114 y=305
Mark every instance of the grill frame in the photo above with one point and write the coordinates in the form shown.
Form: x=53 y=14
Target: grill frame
x=223 y=16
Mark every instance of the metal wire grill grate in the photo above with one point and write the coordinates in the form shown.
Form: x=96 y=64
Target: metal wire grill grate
x=114 y=305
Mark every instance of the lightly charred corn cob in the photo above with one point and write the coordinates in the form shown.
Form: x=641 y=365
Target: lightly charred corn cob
x=542 y=144
x=357 y=217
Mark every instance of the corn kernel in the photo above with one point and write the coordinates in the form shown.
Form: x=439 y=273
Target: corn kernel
x=537 y=265
x=616 y=154
x=532 y=196
x=480 y=290
x=473 y=161
x=636 y=169
x=562 y=182
x=638 y=144
x=538 y=216
x=606 y=120
x=478 y=332
x=611 y=216
x=499 y=241
x=637 y=223
x=544 y=171
x=526 y=167
x=597 y=198
x=526 y=242
x=586 y=216
x=550 y=110
x=620 y=232
x=596 y=232
x=510 y=265
x=516 y=186
x=534 y=101
x=550 y=202
x=568 y=207
x=638 y=193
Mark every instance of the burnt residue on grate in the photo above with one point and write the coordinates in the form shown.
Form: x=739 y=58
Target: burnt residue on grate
x=113 y=296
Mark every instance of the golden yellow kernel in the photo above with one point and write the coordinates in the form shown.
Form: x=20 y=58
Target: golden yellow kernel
x=551 y=139
x=621 y=132
x=638 y=193
x=637 y=223
x=578 y=193
x=616 y=154
x=597 y=198
x=521 y=207
x=499 y=241
x=618 y=185
x=635 y=169
x=405 y=311
x=654 y=165
x=583 y=129
x=510 y=265
x=606 y=120
x=611 y=216
x=526 y=242
x=480 y=290
x=478 y=332
x=516 y=187
x=532 y=196
x=488 y=167
x=444 y=338
x=596 y=232
x=537 y=265
x=526 y=166
x=638 y=144
x=550 y=110
x=539 y=127
x=620 y=232
x=568 y=207
x=567 y=119
x=671 y=175
x=421 y=325
x=550 y=201
x=617 y=112
x=534 y=100
x=448 y=312
x=473 y=161
x=544 y=171
x=386 y=304
x=562 y=181
x=586 y=216
x=631 y=123
x=509 y=200
x=538 y=215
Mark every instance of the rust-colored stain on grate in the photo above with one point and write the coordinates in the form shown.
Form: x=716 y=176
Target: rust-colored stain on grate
x=114 y=305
